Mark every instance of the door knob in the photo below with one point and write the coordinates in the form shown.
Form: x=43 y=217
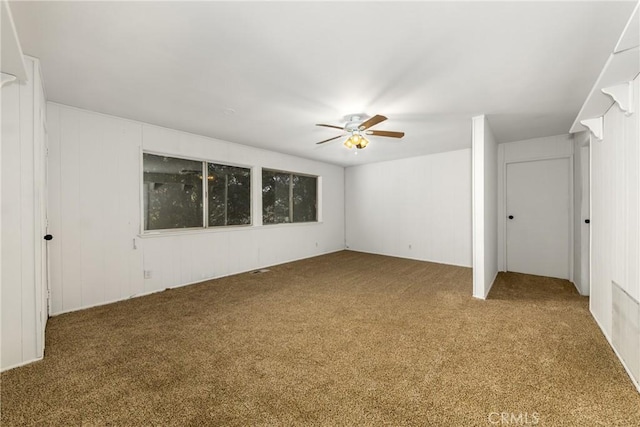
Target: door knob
x=510 y=216
x=48 y=237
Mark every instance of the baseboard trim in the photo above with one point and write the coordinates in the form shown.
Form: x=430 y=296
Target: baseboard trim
x=406 y=257
x=580 y=290
x=18 y=365
x=486 y=294
x=154 y=291
x=608 y=338
x=495 y=276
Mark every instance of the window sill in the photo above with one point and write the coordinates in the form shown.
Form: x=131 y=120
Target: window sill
x=230 y=228
x=291 y=224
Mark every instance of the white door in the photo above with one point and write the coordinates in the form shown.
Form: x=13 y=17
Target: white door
x=538 y=217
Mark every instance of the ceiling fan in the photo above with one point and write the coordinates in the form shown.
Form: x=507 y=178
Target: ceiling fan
x=357 y=127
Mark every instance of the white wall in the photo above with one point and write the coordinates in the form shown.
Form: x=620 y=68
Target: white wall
x=615 y=232
x=99 y=256
x=559 y=146
x=23 y=306
x=417 y=208
x=485 y=206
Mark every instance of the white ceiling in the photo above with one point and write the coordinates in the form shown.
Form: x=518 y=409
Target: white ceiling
x=428 y=66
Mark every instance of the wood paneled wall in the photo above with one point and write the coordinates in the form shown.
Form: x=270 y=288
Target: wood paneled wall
x=99 y=254
x=615 y=227
x=23 y=312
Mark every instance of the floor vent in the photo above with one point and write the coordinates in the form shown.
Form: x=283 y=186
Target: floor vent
x=262 y=270
x=626 y=329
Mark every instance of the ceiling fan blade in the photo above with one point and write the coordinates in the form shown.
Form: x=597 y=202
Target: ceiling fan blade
x=330 y=126
x=388 y=133
x=330 y=139
x=372 y=121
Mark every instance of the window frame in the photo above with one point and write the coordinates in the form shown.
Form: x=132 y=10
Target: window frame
x=291 y=204
x=205 y=196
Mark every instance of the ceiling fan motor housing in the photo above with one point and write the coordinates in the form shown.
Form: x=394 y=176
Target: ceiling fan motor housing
x=354 y=121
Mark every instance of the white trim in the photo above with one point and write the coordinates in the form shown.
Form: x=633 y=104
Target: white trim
x=44 y=89
x=484 y=298
x=192 y=230
x=619 y=67
x=347 y=248
x=623 y=95
x=491 y=285
x=595 y=126
x=477 y=205
x=204 y=170
x=627 y=31
x=220 y=229
x=256 y=196
x=7 y=79
x=319 y=199
x=16 y=63
x=23 y=363
x=575 y=285
x=197 y=159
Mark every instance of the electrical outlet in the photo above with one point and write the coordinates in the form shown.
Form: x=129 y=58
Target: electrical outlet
x=147 y=274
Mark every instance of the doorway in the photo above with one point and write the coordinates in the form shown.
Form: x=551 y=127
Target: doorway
x=538 y=224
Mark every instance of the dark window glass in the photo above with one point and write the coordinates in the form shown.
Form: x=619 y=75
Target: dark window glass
x=288 y=197
x=275 y=197
x=304 y=198
x=229 y=195
x=172 y=193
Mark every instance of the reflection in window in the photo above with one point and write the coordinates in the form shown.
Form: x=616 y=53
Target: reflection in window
x=172 y=193
x=304 y=198
x=229 y=195
x=288 y=197
x=275 y=197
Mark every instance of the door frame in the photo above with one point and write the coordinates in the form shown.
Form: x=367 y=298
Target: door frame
x=41 y=226
x=585 y=213
x=502 y=208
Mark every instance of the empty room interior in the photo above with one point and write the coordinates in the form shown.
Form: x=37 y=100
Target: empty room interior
x=320 y=213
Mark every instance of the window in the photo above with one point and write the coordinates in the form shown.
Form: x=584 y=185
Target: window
x=229 y=195
x=173 y=192
x=288 y=197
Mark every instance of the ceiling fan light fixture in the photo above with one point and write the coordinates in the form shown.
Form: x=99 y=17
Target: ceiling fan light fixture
x=356 y=140
x=357 y=130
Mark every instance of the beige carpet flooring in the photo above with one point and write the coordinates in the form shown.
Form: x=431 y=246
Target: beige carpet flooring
x=338 y=340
